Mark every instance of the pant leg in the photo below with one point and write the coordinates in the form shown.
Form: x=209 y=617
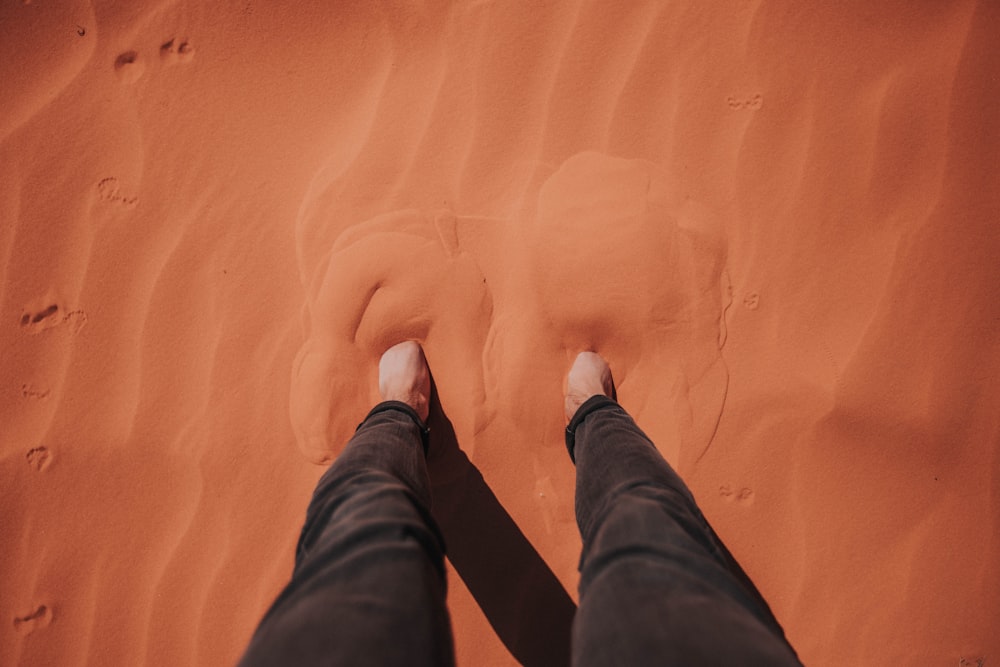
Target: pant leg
x=657 y=585
x=368 y=586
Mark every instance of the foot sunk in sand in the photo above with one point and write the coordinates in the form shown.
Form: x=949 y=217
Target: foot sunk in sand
x=589 y=376
x=397 y=277
x=403 y=376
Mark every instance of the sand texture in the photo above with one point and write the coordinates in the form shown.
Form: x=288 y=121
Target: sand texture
x=779 y=221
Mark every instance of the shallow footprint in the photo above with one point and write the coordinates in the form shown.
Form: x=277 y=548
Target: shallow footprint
x=39 y=618
x=128 y=67
x=176 y=51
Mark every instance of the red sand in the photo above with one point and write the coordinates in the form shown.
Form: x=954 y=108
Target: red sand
x=778 y=222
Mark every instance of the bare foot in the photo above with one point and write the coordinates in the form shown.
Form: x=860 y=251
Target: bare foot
x=403 y=376
x=589 y=376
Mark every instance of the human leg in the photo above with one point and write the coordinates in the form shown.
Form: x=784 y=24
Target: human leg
x=369 y=582
x=657 y=585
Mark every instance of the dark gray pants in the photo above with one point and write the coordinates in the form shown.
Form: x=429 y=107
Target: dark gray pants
x=657 y=586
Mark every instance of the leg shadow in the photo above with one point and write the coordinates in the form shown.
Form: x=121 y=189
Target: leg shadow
x=523 y=600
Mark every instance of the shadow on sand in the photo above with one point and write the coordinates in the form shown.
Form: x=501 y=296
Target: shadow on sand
x=523 y=600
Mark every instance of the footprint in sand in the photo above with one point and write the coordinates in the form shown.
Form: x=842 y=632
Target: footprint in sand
x=128 y=67
x=29 y=391
x=752 y=102
x=35 y=322
x=176 y=51
x=744 y=495
x=109 y=190
x=46 y=318
x=971 y=662
x=75 y=321
x=374 y=294
x=616 y=259
x=39 y=458
x=36 y=620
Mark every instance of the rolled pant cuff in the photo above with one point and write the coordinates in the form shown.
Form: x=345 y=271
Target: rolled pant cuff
x=592 y=404
x=399 y=406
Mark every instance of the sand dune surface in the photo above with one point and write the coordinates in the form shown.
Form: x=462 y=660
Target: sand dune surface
x=778 y=222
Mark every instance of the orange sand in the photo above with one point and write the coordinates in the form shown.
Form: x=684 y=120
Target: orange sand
x=777 y=221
